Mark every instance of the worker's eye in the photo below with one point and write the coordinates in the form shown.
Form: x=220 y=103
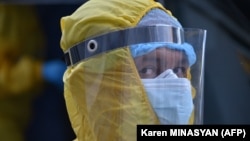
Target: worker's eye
x=148 y=72
x=180 y=71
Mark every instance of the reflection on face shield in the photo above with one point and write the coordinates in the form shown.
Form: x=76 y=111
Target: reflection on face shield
x=156 y=62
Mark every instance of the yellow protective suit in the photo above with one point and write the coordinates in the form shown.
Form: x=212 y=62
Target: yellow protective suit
x=104 y=95
x=21 y=43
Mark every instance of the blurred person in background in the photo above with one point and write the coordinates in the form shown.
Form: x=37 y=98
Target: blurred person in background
x=23 y=70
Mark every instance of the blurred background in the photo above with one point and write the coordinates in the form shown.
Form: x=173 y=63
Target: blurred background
x=227 y=64
x=227 y=55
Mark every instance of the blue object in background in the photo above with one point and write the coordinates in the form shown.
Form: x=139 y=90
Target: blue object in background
x=53 y=72
x=50 y=120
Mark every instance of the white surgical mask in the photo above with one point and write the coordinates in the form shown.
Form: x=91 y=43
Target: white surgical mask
x=170 y=97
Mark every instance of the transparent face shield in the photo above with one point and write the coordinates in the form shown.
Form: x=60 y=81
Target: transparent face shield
x=197 y=38
x=172 y=73
x=168 y=61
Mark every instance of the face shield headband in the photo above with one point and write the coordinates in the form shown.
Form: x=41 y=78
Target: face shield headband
x=141 y=40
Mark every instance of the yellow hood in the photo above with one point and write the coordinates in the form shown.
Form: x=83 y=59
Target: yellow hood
x=104 y=95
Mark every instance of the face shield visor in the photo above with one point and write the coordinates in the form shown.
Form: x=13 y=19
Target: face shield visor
x=169 y=65
x=171 y=69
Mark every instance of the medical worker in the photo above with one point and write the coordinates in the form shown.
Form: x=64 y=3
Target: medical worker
x=23 y=70
x=128 y=63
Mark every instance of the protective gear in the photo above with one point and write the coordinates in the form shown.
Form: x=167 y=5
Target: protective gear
x=167 y=74
x=158 y=17
x=170 y=97
x=52 y=72
x=142 y=49
x=103 y=91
